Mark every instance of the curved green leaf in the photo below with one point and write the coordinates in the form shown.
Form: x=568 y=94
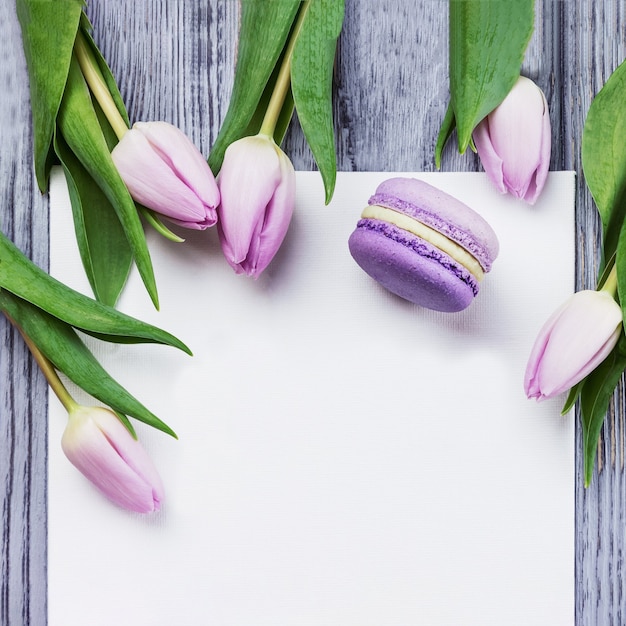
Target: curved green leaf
x=595 y=396
x=104 y=250
x=23 y=278
x=48 y=29
x=311 y=83
x=264 y=30
x=604 y=156
x=64 y=349
x=79 y=126
x=488 y=39
x=447 y=127
x=572 y=396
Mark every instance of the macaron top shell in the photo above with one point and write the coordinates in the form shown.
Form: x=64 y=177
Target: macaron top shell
x=443 y=213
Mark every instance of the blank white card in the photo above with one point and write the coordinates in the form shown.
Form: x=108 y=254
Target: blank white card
x=344 y=457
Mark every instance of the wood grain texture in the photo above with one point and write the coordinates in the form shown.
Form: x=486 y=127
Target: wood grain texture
x=174 y=61
x=23 y=393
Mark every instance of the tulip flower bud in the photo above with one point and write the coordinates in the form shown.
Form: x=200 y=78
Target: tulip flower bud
x=513 y=142
x=572 y=343
x=101 y=448
x=257 y=185
x=165 y=172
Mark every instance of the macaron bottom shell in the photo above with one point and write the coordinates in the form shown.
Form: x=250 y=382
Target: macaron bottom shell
x=411 y=268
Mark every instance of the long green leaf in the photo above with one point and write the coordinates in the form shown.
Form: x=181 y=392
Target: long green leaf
x=264 y=30
x=447 y=127
x=49 y=29
x=488 y=39
x=23 y=278
x=64 y=349
x=311 y=83
x=595 y=396
x=620 y=263
x=604 y=156
x=104 y=250
x=79 y=126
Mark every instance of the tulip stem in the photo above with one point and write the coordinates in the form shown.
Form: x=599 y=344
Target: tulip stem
x=47 y=369
x=98 y=86
x=610 y=284
x=283 y=81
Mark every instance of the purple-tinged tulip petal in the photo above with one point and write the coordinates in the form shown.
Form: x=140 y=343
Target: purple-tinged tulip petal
x=257 y=186
x=165 y=172
x=576 y=338
x=100 y=447
x=514 y=142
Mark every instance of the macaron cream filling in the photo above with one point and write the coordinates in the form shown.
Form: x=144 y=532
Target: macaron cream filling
x=443 y=213
x=419 y=229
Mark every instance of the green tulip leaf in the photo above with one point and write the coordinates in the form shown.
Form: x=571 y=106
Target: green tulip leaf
x=127 y=423
x=78 y=124
x=23 y=278
x=595 y=396
x=264 y=29
x=311 y=83
x=620 y=263
x=603 y=154
x=572 y=396
x=104 y=250
x=487 y=45
x=63 y=348
x=48 y=29
x=447 y=127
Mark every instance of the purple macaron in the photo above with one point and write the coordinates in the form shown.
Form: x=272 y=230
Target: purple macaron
x=423 y=245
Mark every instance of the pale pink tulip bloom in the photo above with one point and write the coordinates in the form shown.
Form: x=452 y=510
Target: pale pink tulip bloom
x=572 y=343
x=165 y=172
x=513 y=142
x=102 y=449
x=257 y=185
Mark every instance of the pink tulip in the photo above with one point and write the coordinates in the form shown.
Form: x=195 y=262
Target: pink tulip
x=572 y=343
x=99 y=446
x=257 y=185
x=165 y=172
x=513 y=142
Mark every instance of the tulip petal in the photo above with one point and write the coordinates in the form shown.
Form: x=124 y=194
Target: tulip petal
x=152 y=182
x=101 y=448
x=180 y=153
x=531 y=383
x=515 y=131
x=514 y=142
x=250 y=175
x=576 y=348
x=278 y=217
x=574 y=341
x=489 y=158
x=541 y=173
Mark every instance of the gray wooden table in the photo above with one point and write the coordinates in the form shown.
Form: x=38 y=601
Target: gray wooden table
x=174 y=61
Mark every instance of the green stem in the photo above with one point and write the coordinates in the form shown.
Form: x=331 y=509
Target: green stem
x=283 y=80
x=98 y=86
x=610 y=284
x=48 y=370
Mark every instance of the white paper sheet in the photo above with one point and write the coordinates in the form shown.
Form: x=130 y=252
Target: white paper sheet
x=344 y=457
